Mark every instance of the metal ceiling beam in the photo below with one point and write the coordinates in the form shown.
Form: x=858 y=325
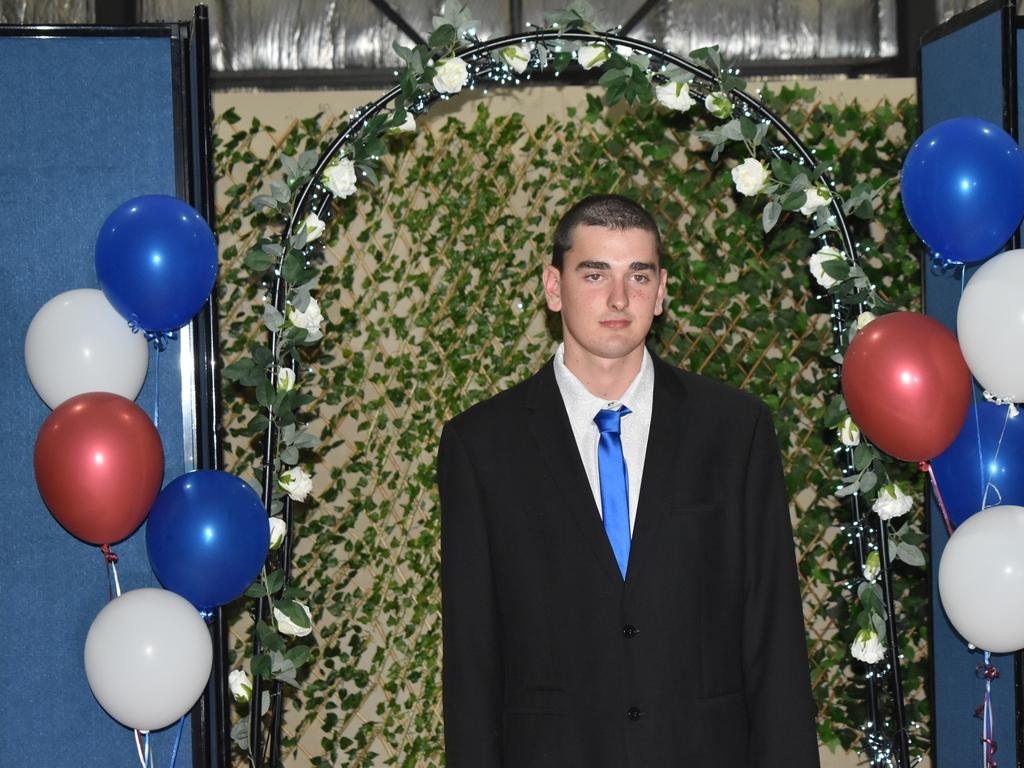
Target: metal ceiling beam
x=396 y=18
x=637 y=17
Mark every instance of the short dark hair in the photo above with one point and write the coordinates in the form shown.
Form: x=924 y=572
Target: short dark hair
x=609 y=211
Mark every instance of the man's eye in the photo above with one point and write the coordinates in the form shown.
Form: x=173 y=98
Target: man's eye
x=641 y=278
x=592 y=277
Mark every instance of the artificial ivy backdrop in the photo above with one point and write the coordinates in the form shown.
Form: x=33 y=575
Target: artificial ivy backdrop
x=431 y=288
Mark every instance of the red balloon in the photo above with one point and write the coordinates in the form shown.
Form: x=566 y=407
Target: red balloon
x=99 y=463
x=907 y=385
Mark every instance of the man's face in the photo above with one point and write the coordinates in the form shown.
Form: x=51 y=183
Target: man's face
x=609 y=289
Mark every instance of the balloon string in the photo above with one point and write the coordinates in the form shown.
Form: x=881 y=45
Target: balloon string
x=156 y=405
x=138 y=748
x=177 y=741
x=1010 y=413
x=113 y=583
x=926 y=466
x=146 y=760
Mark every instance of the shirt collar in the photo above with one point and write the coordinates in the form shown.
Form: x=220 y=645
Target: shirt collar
x=579 y=400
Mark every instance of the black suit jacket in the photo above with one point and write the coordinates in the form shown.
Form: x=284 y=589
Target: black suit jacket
x=551 y=660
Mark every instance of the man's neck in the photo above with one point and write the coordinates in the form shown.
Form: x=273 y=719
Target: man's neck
x=607 y=379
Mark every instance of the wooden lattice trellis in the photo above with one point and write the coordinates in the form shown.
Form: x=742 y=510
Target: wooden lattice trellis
x=431 y=283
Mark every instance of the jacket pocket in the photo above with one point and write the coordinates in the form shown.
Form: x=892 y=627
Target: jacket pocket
x=724 y=728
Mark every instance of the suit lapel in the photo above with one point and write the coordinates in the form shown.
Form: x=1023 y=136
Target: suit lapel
x=660 y=466
x=550 y=428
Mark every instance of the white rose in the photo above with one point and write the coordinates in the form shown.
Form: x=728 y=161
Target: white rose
x=872 y=566
x=296 y=483
x=868 y=647
x=589 y=56
x=314 y=227
x=452 y=75
x=816 y=197
x=288 y=627
x=408 y=125
x=310 y=318
x=340 y=178
x=517 y=57
x=674 y=96
x=240 y=685
x=718 y=104
x=849 y=434
x=278 y=528
x=286 y=378
x=863 y=319
x=828 y=253
x=749 y=176
x=891 y=502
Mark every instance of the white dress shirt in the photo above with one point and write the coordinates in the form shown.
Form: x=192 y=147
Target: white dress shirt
x=582 y=406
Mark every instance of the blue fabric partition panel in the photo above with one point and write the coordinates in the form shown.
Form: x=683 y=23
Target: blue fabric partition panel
x=962 y=75
x=86 y=122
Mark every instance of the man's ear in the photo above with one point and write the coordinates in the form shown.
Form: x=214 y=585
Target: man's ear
x=659 y=306
x=552 y=279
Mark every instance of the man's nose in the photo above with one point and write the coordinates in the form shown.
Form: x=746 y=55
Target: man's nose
x=618 y=298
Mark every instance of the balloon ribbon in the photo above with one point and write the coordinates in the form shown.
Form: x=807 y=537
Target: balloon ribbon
x=985 y=671
x=943 y=267
x=113 y=583
x=1002 y=401
x=926 y=466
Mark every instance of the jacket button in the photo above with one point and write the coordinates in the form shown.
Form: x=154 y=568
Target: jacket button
x=634 y=714
x=629 y=631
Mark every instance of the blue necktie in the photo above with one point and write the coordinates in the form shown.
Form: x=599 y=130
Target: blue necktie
x=611 y=465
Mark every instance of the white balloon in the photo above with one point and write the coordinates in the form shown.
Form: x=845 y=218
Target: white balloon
x=981 y=579
x=148 y=657
x=77 y=342
x=990 y=325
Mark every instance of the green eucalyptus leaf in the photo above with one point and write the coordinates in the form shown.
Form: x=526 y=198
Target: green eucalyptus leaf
x=258 y=424
x=910 y=554
x=265 y=393
x=443 y=38
x=770 y=215
x=272 y=318
x=862 y=456
x=260 y=665
x=240 y=733
x=299 y=654
x=245 y=371
x=275 y=581
x=792 y=201
x=258 y=260
x=269 y=638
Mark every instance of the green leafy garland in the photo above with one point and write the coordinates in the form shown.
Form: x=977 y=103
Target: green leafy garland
x=784 y=185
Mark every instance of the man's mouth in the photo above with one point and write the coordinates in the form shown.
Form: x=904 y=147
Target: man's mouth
x=614 y=323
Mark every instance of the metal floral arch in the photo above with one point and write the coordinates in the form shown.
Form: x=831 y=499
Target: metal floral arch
x=315 y=198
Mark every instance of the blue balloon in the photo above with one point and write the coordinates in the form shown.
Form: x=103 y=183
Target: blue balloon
x=156 y=260
x=962 y=473
x=207 y=537
x=963 y=188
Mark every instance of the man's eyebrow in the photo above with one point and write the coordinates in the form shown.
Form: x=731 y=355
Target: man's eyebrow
x=636 y=266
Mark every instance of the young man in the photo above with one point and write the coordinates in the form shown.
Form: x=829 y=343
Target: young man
x=617 y=569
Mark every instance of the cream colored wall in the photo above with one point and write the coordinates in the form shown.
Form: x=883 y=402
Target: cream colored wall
x=281 y=108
